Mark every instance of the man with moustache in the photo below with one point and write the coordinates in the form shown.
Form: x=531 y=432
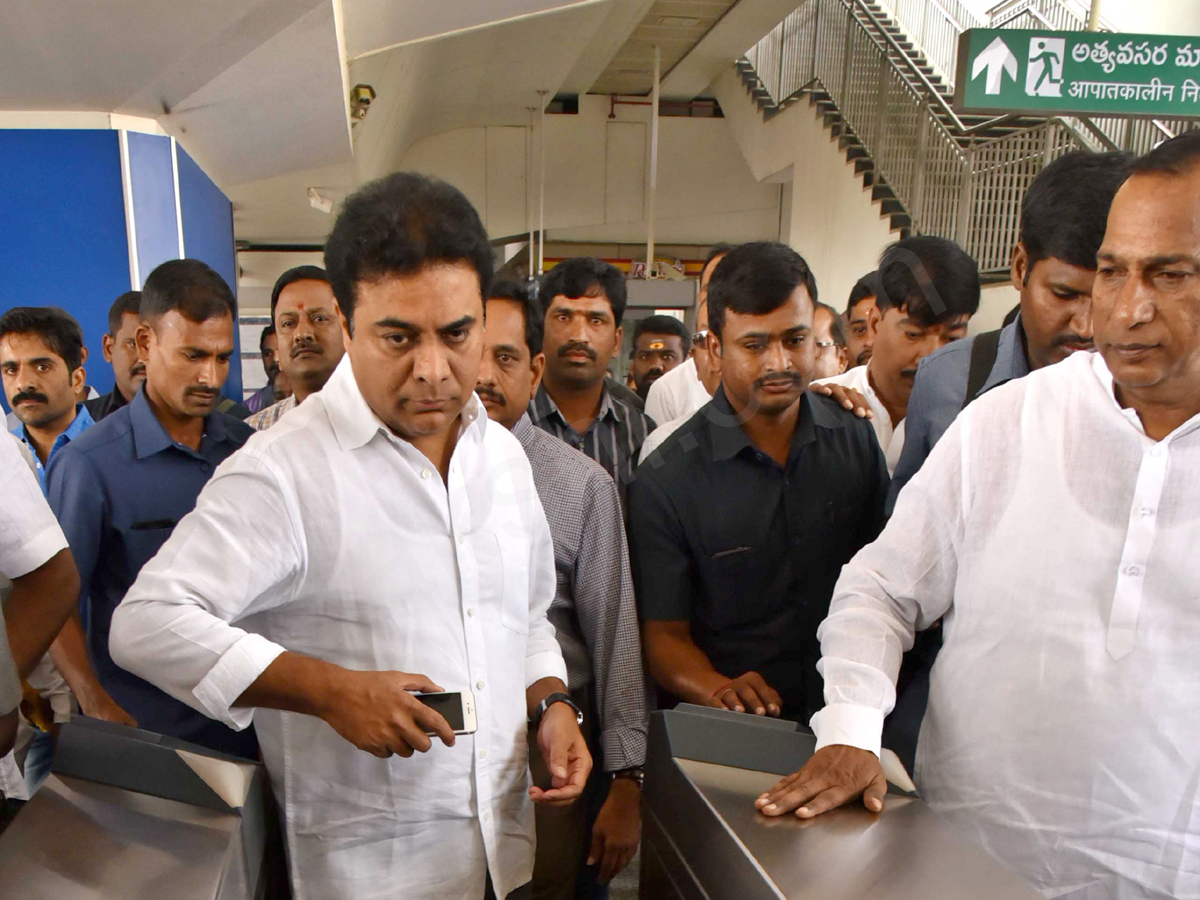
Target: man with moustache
x=310 y=337
x=830 y=337
x=41 y=365
x=120 y=489
x=730 y=602
x=593 y=614
x=268 y=348
x=584 y=300
x=1053 y=266
x=120 y=351
x=383 y=529
x=681 y=392
x=658 y=348
x=1062 y=732
x=928 y=289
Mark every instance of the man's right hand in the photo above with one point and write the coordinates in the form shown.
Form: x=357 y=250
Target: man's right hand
x=748 y=692
x=834 y=776
x=101 y=706
x=376 y=712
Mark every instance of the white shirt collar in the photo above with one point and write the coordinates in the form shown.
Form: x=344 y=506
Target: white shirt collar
x=355 y=423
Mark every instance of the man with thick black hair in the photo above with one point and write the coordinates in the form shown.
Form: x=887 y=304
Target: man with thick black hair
x=730 y=601
x=584 y=301
x=660 y=343
x=1054 y=529
x=120 y=351
x=1053 y=266
x=862 y=319
x=41 y=366
x=927 y=290
x=120 y=489
x=383 y=528
x=593 y=614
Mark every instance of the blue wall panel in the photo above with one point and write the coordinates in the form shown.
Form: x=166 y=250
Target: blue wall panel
x=208 y=236
x=62 y=229
x=153 y=200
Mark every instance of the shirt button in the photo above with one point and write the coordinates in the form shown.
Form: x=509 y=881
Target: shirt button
x=479 y=685
x=205 y=467
x=795 y=542
x=471 y=611
x=1156 y=451
x=462 y=538
x=425 y=473
x=483 y=755
x=1133 y=571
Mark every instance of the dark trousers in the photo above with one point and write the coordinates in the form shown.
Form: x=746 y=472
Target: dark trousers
x=521 y=893
x=564 y=835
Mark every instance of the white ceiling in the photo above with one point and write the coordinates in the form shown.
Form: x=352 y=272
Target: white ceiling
x=375 y=25
x=256 y=90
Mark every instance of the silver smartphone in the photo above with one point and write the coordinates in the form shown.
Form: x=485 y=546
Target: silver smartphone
x=456 y=707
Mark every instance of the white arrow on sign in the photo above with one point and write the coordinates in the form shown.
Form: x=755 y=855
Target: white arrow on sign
x=997 y=59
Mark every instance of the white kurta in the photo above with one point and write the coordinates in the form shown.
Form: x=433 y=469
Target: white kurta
x=678 y=393
x=891 y=438
x=1063 y=728
x=330 y=537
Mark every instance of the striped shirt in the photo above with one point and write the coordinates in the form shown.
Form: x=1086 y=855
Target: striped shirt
x=264 y=419
x=593 y=612
x=614 y=438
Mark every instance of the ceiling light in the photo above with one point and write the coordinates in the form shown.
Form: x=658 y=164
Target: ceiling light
x=678 y=21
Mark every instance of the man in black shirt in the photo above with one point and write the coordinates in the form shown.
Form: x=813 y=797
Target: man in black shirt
x=742 y=520
x=120 y=349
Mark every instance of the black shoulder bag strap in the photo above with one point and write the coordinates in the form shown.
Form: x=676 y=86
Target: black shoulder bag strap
x=983 y=357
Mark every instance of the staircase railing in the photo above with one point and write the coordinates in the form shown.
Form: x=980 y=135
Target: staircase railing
x=1059 y=15
x=935 y=26
x=949 y=180
x=913 y=136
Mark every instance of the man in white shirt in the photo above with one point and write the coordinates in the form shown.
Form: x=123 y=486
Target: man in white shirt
x=383 y=527
x=708 y=380
x=682 y=391
x=928 y=291
x=38 y=587
x=1054 y=528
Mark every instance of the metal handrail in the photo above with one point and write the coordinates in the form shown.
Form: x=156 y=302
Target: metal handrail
x=930 y=90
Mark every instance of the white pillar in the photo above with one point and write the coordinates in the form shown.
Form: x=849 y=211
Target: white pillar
x=650 y=200
x=542 y=194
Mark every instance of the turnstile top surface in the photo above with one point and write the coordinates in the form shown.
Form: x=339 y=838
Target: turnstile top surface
x=905 y=853
x=78 y=840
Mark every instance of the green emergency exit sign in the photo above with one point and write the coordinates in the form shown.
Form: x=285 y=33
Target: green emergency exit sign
x=1066 y=72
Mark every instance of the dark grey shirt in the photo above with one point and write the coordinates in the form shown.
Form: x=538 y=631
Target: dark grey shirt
x=593 y=612
x=614 y=438
x=940 y=390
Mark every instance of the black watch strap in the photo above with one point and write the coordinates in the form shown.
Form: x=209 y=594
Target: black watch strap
x=548 y=702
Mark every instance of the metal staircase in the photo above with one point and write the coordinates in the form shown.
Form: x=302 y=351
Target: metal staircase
x=886 y=98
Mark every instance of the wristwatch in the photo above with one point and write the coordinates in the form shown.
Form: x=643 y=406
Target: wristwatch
x=636 y=774
x=536 y=721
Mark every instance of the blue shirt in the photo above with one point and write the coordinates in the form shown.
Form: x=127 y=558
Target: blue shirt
x=118 y=491
x=939 y=392
x=82 y=422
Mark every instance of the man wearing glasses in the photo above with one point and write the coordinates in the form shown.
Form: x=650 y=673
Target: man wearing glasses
x=830 y=338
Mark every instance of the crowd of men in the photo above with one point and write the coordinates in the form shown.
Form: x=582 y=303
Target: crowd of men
x=975 y=551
